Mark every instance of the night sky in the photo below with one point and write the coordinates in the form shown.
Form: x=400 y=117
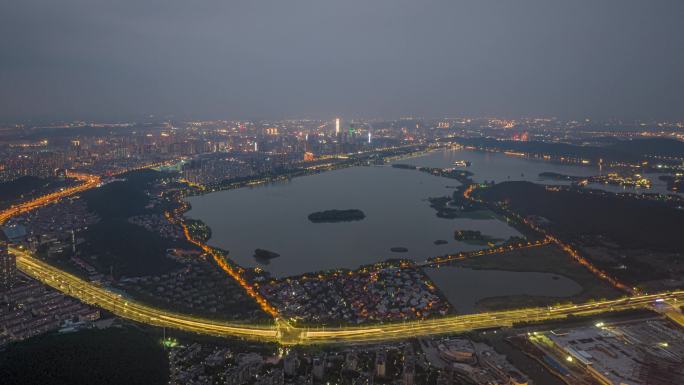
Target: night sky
x=264 y=59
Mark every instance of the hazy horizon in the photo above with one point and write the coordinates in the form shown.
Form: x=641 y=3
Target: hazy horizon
x=270 y=59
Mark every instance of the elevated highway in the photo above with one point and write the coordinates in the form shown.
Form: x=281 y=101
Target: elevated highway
x=284 y=333
x=126 y=308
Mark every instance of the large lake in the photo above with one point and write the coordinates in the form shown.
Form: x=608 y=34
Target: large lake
x=499 y=167
x=496 y=166
x=274 y=216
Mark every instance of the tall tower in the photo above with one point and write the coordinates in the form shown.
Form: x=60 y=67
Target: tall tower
x=8 y=264
x=337 y=126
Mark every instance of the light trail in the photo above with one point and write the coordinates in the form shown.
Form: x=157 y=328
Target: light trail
x=127 y=308
x=463 y=323
x=283 y=333
x=478 y=253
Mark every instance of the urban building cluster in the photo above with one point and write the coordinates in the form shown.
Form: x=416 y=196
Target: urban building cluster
x=625 y=179
x=199 y=364
x=110 y=148
x=223 y=149
x=467 y=361
x=213 y=169
x=43 y=164
x=197 y=288
x=439 y=361
x=641 y=352
x=28 y=308
x=205 y=155
x=53 y=229
x=8 y=264
x=159 y=224
x=354 y=297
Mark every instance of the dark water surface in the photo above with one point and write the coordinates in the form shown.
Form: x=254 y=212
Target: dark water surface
x=274 y=217
x=496 y=166
x=499 y=167
x=464 y=287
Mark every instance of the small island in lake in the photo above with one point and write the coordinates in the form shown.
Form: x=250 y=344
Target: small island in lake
x=468 y=235
x=441 y=204
x=265 y=255
x=331 y=216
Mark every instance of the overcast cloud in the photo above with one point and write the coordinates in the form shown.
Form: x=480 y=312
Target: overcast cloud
x=118 y=59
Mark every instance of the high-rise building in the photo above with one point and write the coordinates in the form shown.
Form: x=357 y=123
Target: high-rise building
x=380 y=364
x=351 y=361
x=290 y=365
x=318 y=368
x=337 y=126
x=408 y=374
x=8 y=264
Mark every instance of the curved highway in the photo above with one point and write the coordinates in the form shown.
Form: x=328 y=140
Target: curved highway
x=284 y=333
x=130 y=309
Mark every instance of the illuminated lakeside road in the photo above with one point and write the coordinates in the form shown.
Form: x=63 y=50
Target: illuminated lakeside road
x=283 y=333
x=479 y=253
x=249 y=289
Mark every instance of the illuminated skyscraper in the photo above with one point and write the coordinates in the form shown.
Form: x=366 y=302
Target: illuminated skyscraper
x=8 y=265
x=337 y=126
